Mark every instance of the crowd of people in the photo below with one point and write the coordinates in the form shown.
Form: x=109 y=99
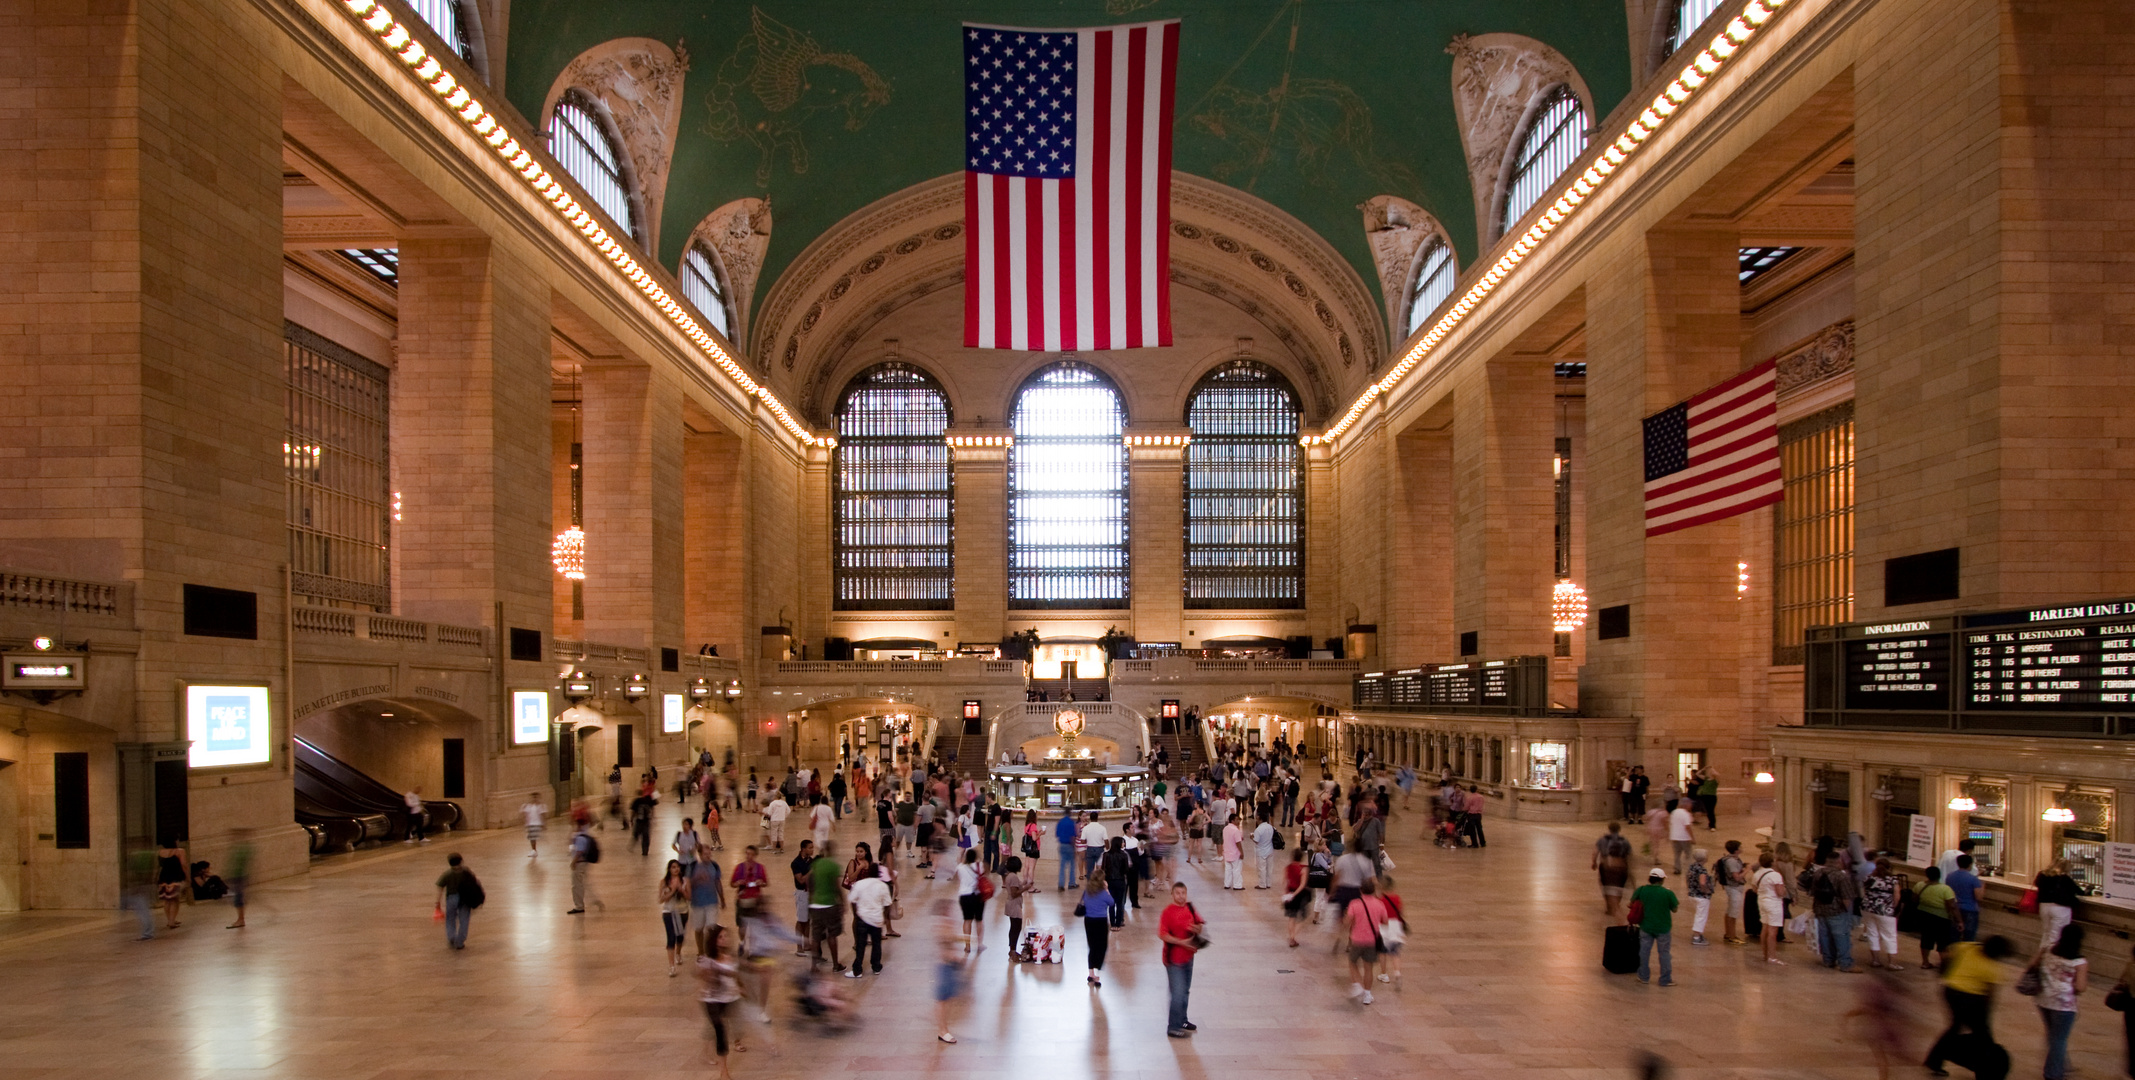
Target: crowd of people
x=1318 y=845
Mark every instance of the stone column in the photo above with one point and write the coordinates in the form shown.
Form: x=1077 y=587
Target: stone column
x=713 y=599
x=1662 y=328
x=1504 y=426
x=1420 y=575
x=1156 y=530
x=633 y=505
x=981 y=462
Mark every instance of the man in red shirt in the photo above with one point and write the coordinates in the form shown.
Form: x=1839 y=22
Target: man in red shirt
x=1178 y=929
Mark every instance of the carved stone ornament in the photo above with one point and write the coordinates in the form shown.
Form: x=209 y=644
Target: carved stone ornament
x=640 y=81
x=1827 y=354
x=738 y=233
x=1397 y=231
x=1496 y=80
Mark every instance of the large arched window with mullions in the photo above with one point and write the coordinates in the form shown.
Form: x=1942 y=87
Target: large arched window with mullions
x=1067 y=492
x=1555 y=138
x=580 y=139
x=895 y=542
x=1245 y=491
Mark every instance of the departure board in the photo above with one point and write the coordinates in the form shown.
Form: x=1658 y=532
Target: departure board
x=1908 y=671
x=2069 y=667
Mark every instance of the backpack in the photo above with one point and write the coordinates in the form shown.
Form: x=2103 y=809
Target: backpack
x=985 y=887
x=1277 y=840
x=1824 y=890
x=592 y=853
x=471 y=894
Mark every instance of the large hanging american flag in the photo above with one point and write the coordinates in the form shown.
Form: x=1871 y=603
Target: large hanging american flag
x=1715 y=455
x=1067 y=186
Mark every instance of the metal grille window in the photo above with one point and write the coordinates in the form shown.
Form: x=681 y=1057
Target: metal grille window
x=340 y=494
x=1689 y=15
x=1435 y=274
x=1814 y=529
x=701 y=287
x=444 y=17
x=585 y=149
x=1755 y=261
x=1554 y=140
x=894 y=504
x=1245 y=491
x=1067 y=492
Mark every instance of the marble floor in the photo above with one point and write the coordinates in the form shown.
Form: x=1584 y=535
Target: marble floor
x=342 y=974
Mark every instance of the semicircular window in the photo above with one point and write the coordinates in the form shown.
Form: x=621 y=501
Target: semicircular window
x=895 y=500
x=1245 y=491
x=583 y=145
x=1067 y=492
x=1554 y=140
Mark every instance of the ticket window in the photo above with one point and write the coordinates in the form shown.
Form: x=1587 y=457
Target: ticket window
x=1834 y=805
x=2082 y=842
x=1549 y=765
x=1898 y=812
x=1986 y=825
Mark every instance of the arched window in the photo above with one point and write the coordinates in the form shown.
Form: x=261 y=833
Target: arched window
x=1245 y=491
x=1067 y=492
x=701 y=286
x=1435 y=274
x=894 y=504
x=582 y=144
x=1554 y=140
x=444 y=16
x=1689 y=15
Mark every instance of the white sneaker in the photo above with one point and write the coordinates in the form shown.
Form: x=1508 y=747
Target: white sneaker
x=1356 y=990
x=1386 y=978
x=1366 y=999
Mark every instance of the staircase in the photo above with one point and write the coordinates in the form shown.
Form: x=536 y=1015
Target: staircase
x=1082 y=689
x=1185 y=751
x=969 y=751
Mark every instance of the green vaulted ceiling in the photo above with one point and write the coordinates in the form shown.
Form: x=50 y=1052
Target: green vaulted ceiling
x=823 y=106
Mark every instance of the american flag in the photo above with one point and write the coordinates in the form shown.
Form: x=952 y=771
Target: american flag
x=1715 y=455
x=1067 y=186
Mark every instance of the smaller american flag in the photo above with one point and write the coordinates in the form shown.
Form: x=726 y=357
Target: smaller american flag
x=1716 y=455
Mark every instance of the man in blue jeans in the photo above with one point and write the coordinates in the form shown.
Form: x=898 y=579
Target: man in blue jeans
x=1969 y=889
x=1177 y=928
x=1064 y=833
x=1836 y=895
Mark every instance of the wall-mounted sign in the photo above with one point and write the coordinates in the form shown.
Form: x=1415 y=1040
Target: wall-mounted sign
x=1170 y=709
x=1920 y=840
x=530 y=717
x=971 y=708
x=229 y=725
x=671 y=714
x=44 y=671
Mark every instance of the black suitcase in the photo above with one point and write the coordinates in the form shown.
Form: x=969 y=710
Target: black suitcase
x=1987 y=1059
x=1619 y=949
x=1752 y=918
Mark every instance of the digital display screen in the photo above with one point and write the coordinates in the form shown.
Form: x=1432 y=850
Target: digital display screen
x=530 y=717
x=228 y=725
x=1911 y=671
x=2049 y=669
x=671 y=714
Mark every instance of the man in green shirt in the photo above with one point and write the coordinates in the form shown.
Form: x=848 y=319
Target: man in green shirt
x=826 y=906
x=1654 y=923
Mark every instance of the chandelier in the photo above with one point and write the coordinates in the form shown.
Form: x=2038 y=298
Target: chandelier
x=569 y=553
x=1567 y=607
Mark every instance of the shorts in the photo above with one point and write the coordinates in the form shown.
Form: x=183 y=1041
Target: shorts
x=973 y=905
x=703 y=917
x=905 y=833
x=1936 y=932
x=1773 y=912
x=948 y=981
x=1339 y=899
x=1734 y=901
x=825 y=923
x=1297 y=907
x=1364 y=953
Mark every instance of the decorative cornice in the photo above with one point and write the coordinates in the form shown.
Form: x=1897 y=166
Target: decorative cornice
x=1827 y=354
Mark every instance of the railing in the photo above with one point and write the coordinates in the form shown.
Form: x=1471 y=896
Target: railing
x=964 y=667
x=1179 y=666
x=58 y=594
x=365 y=626
x=568 y=650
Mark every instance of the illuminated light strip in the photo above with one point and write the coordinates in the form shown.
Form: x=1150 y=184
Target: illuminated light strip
x=403 y=45
x=1670 y=100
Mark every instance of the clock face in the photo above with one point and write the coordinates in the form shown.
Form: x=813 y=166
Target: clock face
x=1068 y=722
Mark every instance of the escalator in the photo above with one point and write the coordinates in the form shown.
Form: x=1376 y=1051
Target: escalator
x=342 y=807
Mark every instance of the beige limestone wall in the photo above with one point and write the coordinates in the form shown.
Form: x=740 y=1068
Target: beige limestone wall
x=1504 y=429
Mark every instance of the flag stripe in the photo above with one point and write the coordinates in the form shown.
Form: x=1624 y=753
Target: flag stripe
x=1069 y=183
x=1723 y=449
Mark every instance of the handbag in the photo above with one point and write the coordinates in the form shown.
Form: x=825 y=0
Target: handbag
x=1199 y=940
x=1635 y=913
x=2030 y=983
x=2116 y=999
x=2028 y=904
x=1080 y=911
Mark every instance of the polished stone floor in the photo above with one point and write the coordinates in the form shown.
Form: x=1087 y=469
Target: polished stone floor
x=343 y=975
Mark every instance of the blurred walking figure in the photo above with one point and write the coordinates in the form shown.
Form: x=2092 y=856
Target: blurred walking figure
x=170 y=880
x=2121 y=999
x=535 y=814
x=948 y=977
x=1612 y=859
x=458 y=894
x=585 y=851
x=2063 y=976
x=2057 y=901
x=238 y=874
x=718 y=971
x=1882 y=1024
x=674 y=912
x=1970 y=971
x=418 y=816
